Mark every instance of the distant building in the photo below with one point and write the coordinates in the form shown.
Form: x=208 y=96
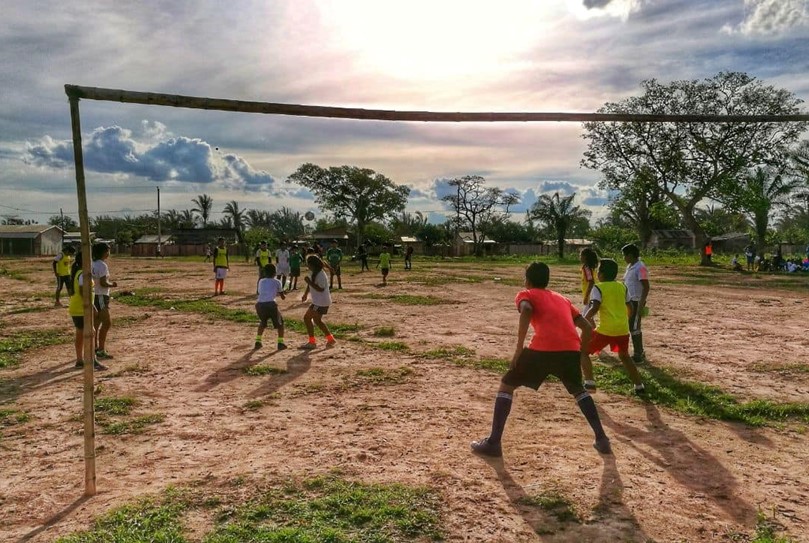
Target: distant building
x=672 y=239
x=147 y=245
x=30 y=240
x=735 y=242
x=464 y=244
x=416 y=243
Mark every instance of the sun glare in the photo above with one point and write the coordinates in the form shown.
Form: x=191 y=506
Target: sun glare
x=437 y=39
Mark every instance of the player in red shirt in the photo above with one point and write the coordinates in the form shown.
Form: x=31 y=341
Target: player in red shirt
x=555 y=349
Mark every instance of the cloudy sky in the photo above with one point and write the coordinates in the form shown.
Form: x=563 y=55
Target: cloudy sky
x=438 y=55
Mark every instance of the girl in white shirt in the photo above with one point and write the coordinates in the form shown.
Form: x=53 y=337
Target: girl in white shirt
x=318 y=285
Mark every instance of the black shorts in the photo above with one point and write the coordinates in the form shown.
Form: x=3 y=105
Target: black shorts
x=321 y=310
x=101 y=302
x=385 y=272
x=294 y=272
x=533 y=367
x=62 y=280
x=268 y=311
x=335 y=269
x=78 y=322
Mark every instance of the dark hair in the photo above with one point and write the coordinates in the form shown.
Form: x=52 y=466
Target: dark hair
x=314 y=262
x=590 y=257
x=538 y=274
x=99 y=250
x=69 y=249
x=631 y=249
x=608 y=269
x=263 y=242
x=269 y=270
x=74 y=269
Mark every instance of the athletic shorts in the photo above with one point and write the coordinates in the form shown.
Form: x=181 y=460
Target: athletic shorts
x=221 y=273
x=385 y=272
x=335 y=269
x=78 y=322
x=268 y=311
x=533 y=367
x=617 y=343
x=322 y=310
x=62 y=280
x=101 y=302
x=295 y=272
x=282 y=269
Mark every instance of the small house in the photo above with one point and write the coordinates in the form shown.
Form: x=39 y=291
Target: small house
x=30 y=240
x=735 y=242
x=672 y=239
x=465 y=244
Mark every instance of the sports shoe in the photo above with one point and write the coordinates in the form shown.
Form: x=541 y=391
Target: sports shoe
x=331 y=343
x=282 y=346
x=639 y=358
x=486 y=448
x=308 y=346
x=79 y=364
x=98 y=366
x=590 y=386
x=603 y=445
x=640 y=390
x=258 y=345
x=103 y=355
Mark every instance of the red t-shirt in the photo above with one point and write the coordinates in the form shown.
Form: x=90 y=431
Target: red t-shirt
x=552 y=320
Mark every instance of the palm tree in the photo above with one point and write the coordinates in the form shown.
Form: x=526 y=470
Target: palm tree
x=255 y=218
x=204 y=204
x=236 y=217
x=187 y=219
x=557 y=213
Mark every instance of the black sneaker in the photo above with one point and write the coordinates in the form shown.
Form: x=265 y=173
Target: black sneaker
x=98 y=366
x=258 y=345
x=603 y=445
x=487 y=448
x=79 y=364
x=282 y=346
x=640 y=390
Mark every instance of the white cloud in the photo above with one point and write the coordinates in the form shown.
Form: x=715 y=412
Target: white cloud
x=773 y=18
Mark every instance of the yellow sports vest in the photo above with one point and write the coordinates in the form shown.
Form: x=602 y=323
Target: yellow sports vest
x=76 y=306
x=613 y=319
x=264 y=257
x=584 y=281
x=63 y=265
x=221 y=259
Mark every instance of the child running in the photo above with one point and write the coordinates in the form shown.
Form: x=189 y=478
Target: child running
x=589 y=263
x=267 y=309
x=75 y=309
x=295 y=260
x=555 y=349
x=61 y=269
x=610 y=299
x=318 y=284
x=101 y=278
x=221 y=265
x=636 y=279
x=384 y=262
x=335 y=256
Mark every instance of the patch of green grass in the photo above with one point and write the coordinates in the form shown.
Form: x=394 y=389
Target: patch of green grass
x=114 y=406
x=449 y=353
x=780 y=369
x=263 y=369
x=409 y=299
x=555 y=504
x=11 y=417
x=11 y=347
x=767 y=531
x=329 y=509
x=383 y=376
x=31 y=309
x=132 y=426
x=663 y=388
x=12 y=274
x=385 y=331
x=254 y=404
x=396 y=346
x=146 y=520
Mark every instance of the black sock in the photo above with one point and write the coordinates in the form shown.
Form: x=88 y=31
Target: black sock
x=502 y=407
x=637 y=344
x=588 y=409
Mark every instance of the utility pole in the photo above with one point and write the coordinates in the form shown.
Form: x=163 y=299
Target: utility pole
x=159 y=239
x=62 y=218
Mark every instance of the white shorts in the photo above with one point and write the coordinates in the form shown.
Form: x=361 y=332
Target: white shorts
x=221 y=273
x=282 y=269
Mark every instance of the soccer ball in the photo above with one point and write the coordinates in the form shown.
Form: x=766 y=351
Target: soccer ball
x=309 y=216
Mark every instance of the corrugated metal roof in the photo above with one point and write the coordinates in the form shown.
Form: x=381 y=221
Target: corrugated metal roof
x=21 y=231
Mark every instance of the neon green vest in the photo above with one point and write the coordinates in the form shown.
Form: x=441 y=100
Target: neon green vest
x=612 y=316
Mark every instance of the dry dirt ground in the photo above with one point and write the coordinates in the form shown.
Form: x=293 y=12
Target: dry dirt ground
x=672 y=477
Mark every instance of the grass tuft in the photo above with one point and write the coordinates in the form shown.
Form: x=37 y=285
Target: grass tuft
x=132 y=426
x=555 y=504
x=385 y=331
x=13 y=346
x=396 y=346
x=382 y=376
x=263 y=369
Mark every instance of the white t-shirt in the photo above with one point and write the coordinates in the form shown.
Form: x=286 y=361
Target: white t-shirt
x=635 y=273
x=100 y=269
x=268 y=289
x=282 y=257
x=321 y=299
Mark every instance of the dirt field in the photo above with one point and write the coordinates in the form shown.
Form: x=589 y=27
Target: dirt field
x=673 y=477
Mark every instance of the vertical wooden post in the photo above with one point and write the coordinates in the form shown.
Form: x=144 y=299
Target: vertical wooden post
x=87 y=298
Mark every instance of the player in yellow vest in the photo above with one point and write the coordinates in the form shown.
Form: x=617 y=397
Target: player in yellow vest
x=221 y=265
x=610 y=299
x=75 y=309
x=61 y=269
x=263 y=258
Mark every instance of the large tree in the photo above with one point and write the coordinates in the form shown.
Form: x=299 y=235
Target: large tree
x=477 y=206
x=692 y=161
x=65 y=222
x=358 y=194
x=235 y=216
x=558 y=214
x=203 y=204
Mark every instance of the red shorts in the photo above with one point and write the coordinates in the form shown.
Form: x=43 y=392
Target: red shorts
x=616 y=343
